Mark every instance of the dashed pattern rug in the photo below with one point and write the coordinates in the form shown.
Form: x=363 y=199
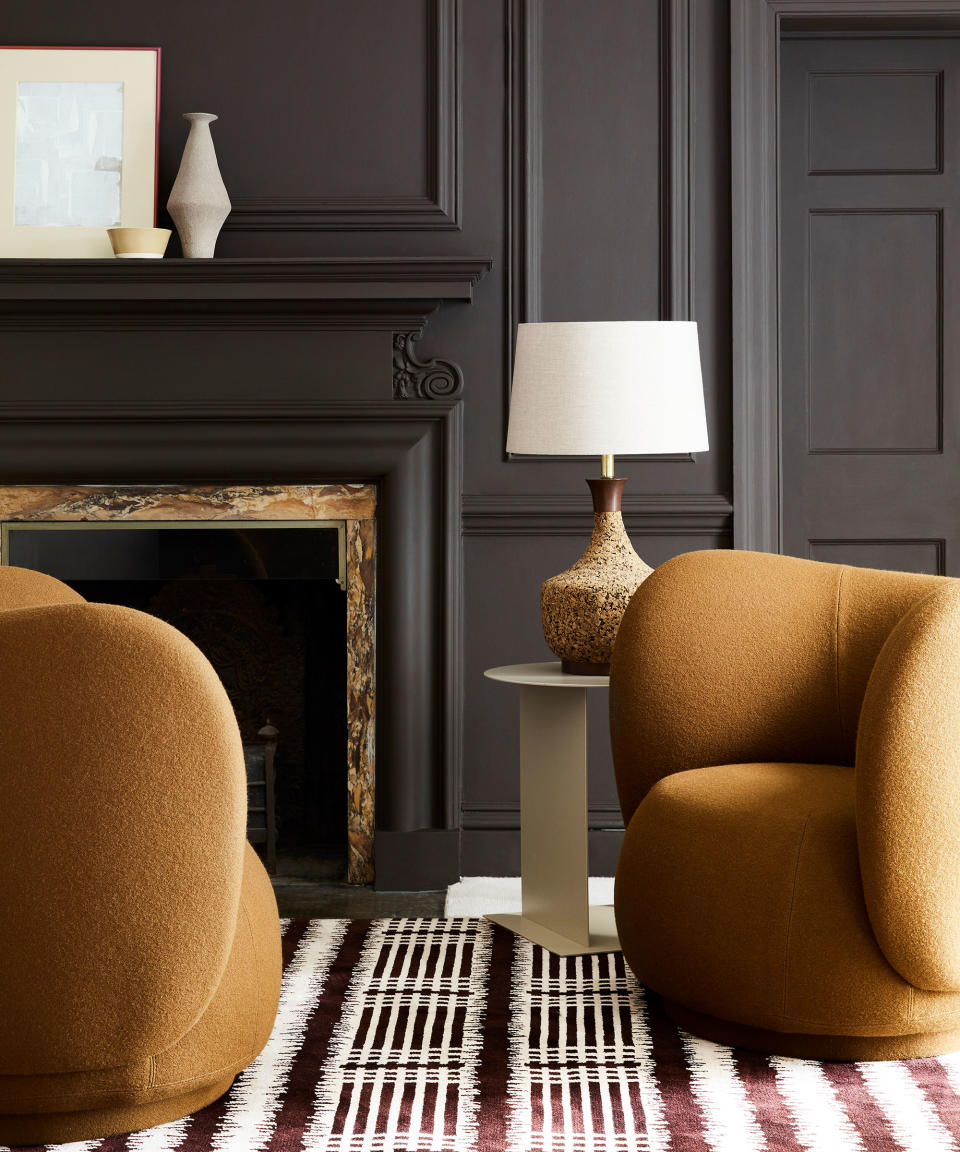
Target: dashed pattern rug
x=452 y=1035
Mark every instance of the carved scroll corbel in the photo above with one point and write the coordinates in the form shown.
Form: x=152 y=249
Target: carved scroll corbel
x=416 y=379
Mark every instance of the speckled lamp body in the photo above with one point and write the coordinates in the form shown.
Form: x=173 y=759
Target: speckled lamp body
x=582 y=607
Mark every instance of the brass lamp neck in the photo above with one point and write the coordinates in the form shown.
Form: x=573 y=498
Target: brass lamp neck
x=606 y=466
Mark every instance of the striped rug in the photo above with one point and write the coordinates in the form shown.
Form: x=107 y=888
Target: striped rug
x=453 y=1034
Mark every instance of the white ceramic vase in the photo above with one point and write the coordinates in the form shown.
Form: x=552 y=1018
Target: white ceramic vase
x=198 y=202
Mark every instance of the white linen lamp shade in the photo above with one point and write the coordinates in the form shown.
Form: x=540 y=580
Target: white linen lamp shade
x=607 y=388
x=603 y=388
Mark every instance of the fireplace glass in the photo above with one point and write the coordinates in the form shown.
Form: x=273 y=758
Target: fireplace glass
x=265 y=602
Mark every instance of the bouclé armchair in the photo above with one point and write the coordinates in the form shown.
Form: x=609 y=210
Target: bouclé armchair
x=786 y=738
x=140 y=956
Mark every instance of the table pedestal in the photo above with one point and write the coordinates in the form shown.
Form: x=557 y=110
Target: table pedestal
x=554 y=861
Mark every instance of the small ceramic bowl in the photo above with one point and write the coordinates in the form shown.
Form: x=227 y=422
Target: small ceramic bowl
x=139 y=243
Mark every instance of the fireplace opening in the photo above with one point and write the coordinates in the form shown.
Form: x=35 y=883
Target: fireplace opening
x=265 y=602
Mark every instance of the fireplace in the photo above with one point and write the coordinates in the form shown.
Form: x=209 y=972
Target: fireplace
x=278 y=376
x=267 y=600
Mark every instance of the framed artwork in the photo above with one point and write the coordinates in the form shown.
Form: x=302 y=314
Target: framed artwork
x=78 y=148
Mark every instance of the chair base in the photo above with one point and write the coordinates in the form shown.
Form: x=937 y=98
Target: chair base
x=810 y=1046
x=95 y=1123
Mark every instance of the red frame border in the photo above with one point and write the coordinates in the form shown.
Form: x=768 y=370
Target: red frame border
x=112 y=48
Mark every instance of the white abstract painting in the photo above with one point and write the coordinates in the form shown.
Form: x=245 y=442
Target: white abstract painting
x=69 y=154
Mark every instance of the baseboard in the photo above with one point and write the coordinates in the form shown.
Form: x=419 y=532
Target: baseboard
x=496 y=852
x=424 y=860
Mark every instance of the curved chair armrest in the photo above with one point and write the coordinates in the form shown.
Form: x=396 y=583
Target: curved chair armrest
x=122 y=825
x=908 y=793
x=24 y=588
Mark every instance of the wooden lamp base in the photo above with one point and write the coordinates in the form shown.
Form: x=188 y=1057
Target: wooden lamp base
x=581 y=608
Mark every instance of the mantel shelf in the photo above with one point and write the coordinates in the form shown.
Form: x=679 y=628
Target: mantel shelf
x=301 y=292
x=298 y=278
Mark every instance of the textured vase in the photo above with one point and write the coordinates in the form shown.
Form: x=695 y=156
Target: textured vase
x=198 y=202
x=582 y=607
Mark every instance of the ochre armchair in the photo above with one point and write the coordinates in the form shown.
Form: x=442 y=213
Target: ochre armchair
x=786 y=738
x=140 y=955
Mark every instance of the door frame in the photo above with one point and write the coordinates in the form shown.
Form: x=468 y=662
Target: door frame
x=756 y=29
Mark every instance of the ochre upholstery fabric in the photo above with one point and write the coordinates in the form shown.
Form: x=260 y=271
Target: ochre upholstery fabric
x=141 y=962
x=22 y=588
x=908 y=793
x=781 y=875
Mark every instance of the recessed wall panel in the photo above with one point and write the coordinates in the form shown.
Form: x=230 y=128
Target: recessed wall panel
x=342 y=114
x=896 y=555
x=874 y=122
x=874 y=352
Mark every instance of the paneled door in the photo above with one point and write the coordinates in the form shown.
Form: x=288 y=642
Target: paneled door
x=870 y=312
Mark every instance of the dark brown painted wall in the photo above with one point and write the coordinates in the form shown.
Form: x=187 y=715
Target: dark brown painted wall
x=325 y=119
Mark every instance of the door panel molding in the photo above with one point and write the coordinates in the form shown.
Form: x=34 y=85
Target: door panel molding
x=756 y=29
x=935 y=285
x=889 y=165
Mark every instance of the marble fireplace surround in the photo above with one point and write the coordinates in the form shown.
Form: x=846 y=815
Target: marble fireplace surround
x=354 y=504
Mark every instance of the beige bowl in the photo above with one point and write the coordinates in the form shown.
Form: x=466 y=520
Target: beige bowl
x=139 y=243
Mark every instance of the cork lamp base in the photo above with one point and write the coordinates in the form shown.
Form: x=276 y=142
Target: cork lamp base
x=582 y=608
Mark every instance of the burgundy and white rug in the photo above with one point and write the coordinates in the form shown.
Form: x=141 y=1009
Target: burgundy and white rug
x=454 y=1035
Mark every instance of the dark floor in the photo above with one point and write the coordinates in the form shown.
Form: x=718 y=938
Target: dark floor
x=311 y=884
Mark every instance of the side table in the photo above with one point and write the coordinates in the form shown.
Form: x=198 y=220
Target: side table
x=554 y=863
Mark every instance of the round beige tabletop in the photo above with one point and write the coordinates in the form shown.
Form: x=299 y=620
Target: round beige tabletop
x=546 y=675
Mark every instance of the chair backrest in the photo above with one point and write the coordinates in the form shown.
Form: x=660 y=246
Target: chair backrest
x=122 y=824
x=908 y=793
x=731 y=657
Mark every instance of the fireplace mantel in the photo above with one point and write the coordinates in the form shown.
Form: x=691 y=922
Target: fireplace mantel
x=411 y=449
x=385 y=293
x=356 y=408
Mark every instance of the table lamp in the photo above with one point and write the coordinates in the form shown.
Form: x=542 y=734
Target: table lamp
x=603 y=389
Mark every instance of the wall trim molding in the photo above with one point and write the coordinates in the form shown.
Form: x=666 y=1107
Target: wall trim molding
x=754 y=62
x=524 y=169
x=496 y=851
x=656 y=514
x=939 y=543
x=524 y=178
x=438 y=209
x=209 y=411
x=677 y=103
x=506 y=816
x=756 y=29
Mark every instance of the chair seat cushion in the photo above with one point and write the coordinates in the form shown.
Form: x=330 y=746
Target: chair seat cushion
x=738 y=895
